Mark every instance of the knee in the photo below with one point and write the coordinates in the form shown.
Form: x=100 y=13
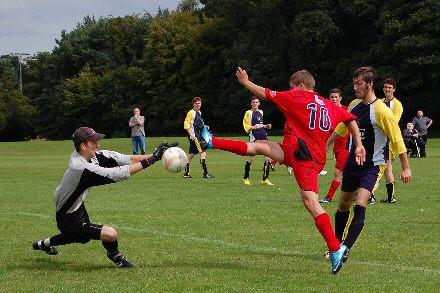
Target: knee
x=109 y=234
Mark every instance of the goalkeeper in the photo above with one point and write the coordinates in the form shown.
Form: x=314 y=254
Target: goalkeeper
x=90 y=167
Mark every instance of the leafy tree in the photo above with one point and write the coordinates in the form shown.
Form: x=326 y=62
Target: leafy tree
x=15 y=111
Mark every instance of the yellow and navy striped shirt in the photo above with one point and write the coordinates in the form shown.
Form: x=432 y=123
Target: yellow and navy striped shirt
x=376 y=123
x=250 y=119
x=193 y=121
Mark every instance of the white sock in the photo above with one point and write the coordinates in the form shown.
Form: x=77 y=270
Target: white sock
x=46 y=242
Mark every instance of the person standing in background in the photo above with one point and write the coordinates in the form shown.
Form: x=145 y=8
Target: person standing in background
x=421 y=124
x=340 y=151
x=194 y=125
x=138 y=138
x=254 y=126
x=389 y=87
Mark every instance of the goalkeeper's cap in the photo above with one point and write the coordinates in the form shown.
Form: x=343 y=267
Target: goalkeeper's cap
x=84 y=134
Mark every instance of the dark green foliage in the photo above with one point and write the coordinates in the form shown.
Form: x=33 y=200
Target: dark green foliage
x=104 y=67
x=16 y=113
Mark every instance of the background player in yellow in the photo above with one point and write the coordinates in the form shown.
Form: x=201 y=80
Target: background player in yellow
x=254 y=126
x=194 y=125
x=389 y=87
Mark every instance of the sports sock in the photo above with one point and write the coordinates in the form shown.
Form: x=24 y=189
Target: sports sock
x=333 y=188
x=205 y=168
x=356 y=226
x=324 y=225
x=47 y=242
x=187 y=169
x=390 y=190
x=341 y=219
x=247 y=169
x=111 y=247
x=60 y=239
x=234 y=146
x=266 y=170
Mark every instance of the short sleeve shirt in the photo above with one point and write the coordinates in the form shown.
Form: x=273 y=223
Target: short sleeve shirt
x=312 y=118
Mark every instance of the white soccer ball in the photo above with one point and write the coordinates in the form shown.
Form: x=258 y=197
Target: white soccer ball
x=174 y=159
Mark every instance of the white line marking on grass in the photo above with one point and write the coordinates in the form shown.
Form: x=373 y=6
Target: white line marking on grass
x=241 y=246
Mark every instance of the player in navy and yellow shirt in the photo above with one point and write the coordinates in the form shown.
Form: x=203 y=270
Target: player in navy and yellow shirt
x=194 y=125
x=376 y=123
x=254 y=126
x=389 y=87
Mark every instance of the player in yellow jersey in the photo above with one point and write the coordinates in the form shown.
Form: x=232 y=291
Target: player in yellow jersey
x=389 y=87
x=194 y=125
x=254 y=126
x=376 y=124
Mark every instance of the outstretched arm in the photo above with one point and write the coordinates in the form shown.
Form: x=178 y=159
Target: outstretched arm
x=243 y=78
x=139 y=162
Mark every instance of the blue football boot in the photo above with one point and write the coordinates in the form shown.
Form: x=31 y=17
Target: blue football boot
x=207 y=137
x=337 y=258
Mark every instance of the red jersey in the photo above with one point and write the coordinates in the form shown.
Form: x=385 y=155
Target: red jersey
x=312 y=117
x=340 y=145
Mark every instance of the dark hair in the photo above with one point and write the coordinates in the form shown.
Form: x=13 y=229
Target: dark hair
x=390 y=81
x=254 y=97
x=368 y=73
x=77 y=146
x=336 y=91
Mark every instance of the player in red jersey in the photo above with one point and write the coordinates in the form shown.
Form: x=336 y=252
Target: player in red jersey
x=340 y=150
x=312 y=120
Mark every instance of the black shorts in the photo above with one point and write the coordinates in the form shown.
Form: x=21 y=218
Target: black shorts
x=359 y=177
x=77 y=227
x=193 y=148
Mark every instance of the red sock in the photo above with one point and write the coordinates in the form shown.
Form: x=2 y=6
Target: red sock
x=234 y=146
x=274 y=162
x=324 y=225
x=333 y=188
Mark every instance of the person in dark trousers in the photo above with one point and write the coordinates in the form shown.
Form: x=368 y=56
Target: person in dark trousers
x=91 y=167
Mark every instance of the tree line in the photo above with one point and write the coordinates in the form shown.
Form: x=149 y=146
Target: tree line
x=104 y=67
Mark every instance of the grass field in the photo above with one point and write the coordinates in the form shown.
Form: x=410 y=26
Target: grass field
x=211 y=235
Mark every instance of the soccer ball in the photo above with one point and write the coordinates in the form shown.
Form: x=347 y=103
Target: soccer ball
x=174 y=159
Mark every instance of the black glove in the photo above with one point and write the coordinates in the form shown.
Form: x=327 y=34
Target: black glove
x=158 y=152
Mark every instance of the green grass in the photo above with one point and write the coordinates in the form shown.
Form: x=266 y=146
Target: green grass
x=211 y=235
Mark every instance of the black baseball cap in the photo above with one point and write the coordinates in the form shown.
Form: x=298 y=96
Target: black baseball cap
x=84 y=134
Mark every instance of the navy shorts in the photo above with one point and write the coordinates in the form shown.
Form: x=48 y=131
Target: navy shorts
x=76 y=226
x=193 y=148
x=356 y=177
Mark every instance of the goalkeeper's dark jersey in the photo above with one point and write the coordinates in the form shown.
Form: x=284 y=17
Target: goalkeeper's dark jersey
x=106 y=167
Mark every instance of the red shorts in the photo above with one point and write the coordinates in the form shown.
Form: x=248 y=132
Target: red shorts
x=306 y=171
x=341 y=159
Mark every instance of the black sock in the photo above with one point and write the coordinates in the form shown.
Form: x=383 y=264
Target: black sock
x=356 y=226
x=111 y=247
x=247 y=169
x=341 y=219
x=61 y=239
x=187 y=169
x=205 y=168
x=390 y=190
x=266 y=170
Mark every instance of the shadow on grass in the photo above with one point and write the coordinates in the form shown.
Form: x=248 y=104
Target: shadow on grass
x=201 y=265
x=55 y=264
